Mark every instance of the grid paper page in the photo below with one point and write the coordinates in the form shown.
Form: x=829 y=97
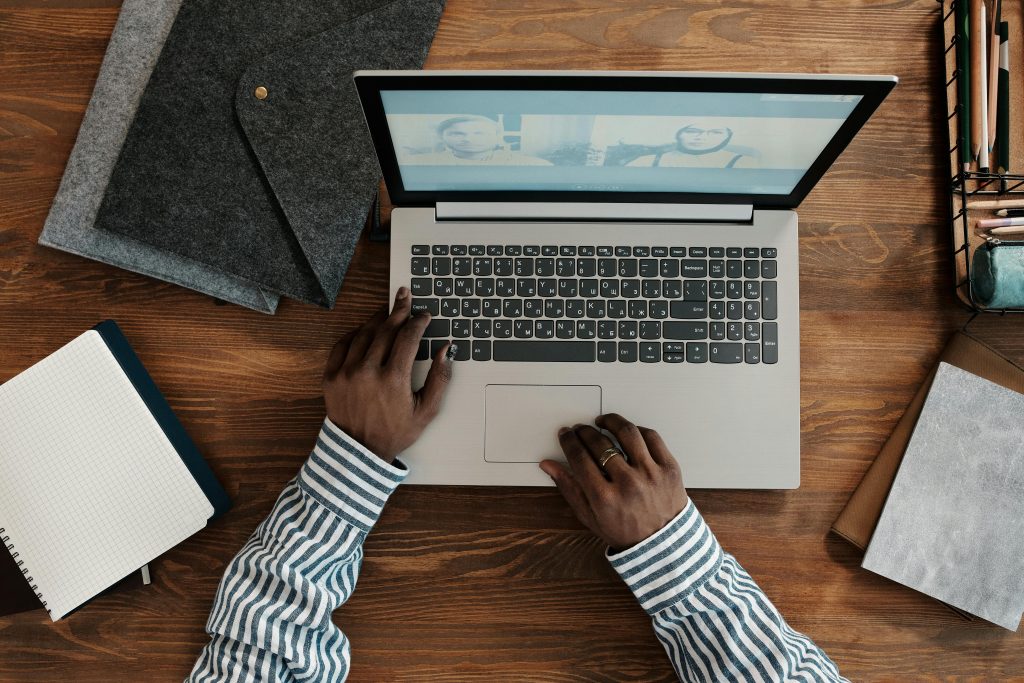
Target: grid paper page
x=90 y=487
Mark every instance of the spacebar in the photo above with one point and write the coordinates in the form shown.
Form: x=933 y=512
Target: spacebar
x=546 y=351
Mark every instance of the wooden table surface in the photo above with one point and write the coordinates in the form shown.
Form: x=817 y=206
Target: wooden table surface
x=466 y=584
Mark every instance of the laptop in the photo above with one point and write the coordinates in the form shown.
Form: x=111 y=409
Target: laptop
x=598 y=242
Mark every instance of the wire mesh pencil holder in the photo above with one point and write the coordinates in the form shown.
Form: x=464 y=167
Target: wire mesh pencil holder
x=966 y=185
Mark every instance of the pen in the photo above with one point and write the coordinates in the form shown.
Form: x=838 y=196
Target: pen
x=992 y=38
x=963 y=61
x=977 y=30
x=1003 y=102
x=999 y=222
x=984 y=147
x=1010 y=212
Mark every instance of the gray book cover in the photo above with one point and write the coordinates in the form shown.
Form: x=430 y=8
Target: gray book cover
x=953 y=524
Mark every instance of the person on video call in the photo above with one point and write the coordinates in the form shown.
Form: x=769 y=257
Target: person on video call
x=271 y=617
x=700 y=146
x=470 y=140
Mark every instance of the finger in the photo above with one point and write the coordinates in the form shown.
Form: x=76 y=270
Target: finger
x=336 y=358
x=365 y=335
x=584 y=468
x=570 y=490
x=628 y=437
x=597 y=444
x=380 y=347
x=656 y=446
x=407 y=343
x=429 y=397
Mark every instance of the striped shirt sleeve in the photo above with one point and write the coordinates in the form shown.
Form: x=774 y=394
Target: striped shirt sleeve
x=714 y=622
x=271 y=618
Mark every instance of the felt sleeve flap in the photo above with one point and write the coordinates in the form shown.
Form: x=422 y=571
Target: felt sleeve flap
x=307 y=131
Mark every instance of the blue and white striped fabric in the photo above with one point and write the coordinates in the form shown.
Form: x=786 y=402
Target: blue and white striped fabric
x=271 y=618
x=711 y=618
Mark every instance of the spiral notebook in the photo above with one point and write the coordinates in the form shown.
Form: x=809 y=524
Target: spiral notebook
x=97 y=476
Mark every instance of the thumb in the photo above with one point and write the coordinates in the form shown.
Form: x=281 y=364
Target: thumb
x=428 y=398
x=570 y=490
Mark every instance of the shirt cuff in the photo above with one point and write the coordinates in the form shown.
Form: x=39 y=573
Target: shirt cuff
x=671 y=563
x=347 y=478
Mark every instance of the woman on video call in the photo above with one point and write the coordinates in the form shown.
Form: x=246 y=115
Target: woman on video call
x=702 y=147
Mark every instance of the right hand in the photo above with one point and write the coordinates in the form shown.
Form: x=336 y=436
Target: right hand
x=627 y=501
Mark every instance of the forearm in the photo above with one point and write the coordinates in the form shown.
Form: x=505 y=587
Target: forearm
x=271 y=619
x=713 y=620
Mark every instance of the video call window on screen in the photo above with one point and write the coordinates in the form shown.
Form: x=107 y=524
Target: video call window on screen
x=629 y=142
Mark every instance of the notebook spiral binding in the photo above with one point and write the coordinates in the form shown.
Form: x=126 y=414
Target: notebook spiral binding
x=6 y=540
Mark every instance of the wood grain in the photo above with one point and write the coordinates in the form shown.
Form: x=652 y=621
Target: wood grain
x=473 y=584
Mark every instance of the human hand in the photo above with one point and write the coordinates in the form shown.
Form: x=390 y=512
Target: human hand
x=368 y=381
x=629 y=500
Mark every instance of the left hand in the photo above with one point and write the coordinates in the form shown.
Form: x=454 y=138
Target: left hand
x=368 y=381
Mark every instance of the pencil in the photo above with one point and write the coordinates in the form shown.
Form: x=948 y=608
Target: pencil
x=976 y=32
x=997 y=204
x=963 y=61
x=983 y=148
x=1003 y=105
x=992 y=38
x=1006 y=231
x=1000 y=223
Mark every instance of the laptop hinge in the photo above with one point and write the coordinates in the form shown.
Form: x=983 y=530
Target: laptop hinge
x=593 y=211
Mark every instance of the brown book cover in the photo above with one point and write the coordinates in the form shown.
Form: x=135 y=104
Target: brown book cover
x=856 y=523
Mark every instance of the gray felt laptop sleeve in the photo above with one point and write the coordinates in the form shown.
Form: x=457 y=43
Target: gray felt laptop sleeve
x=274 y=190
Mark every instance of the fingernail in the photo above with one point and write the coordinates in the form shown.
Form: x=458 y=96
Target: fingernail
x=450 y=353
x=403 y=292
x=419 y=312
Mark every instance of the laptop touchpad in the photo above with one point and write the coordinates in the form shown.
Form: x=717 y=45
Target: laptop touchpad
x=523 y=419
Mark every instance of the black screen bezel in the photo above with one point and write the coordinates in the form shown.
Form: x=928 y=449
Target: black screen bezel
x=369 y=86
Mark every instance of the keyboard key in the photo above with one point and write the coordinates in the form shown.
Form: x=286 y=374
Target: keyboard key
x=696 y=352
x=526 y=287
x=735 y=331
x=751 y=289
x=586 y=329
x=523 y=329
x=724 y=352
x=491 y=308
x=658 y=309
x=444 y=286
x=463 y=286
x=554 y=308
x=423 y=352
x=669 y=267
x=607 y=267
x=716 y=289
x=734 y=310
x=616 y=308
x=548 y=250
x=630 y=288
x=716 y=310
x=649 y=267
x=420 y=266
x=462 y=350
x=547 y=287
x=651 y=289
x=650 y=352
x=484 y=287
x=606 y=352
x=716 y=331
x=716 y=252
x=606 y=329
x=567 y=288
x=752 y=353
x=501 y=329
x=575 y=308
x=565 y=329
x=695 y=290
x=752 y=332
x=627 y=329
x=623 y=251
x=432 y=306
x=769 y=269
x=440 y=250
x=513 y=250
x=650 y=329
x=595 y=308
x=605 y=251
x=677 y=252
x=751 y=252
x=586 y=267
x=565 y=267
x=494 y=250
x=461 y=329
x=567 y=250
x=586 y=251
x=734 y=289
x=752 y=310
x=716 y=268
x=588 y=288
x=544 y=329
x=627 y=352
x=531 y=250
x=685 y=331
x=674 y=347
x=769 y=301
x=769 y=252
x=523 y=267
x=450 y=308
x=441 y=266
x=421 y=286
x=637 y=309
x=481 y=329
x=550 y=351
x=481 y=350
x=693 y=268
x=420 y=249
x=698 y=252
x=641 y=251
x=505 y=286
x=512 y=308
x=533 y=308
x=770 y=343
x=672 y=289
x=734 y=269
x=659 y=252
x=477 y=250
x=483 y=267
x=609 y=288
x=672 y=358
x=504 y=267
x=751 y=269
x=462 y=266
x=689 y=310
x=628 y=267
x=544 y=267
x=438 y=327
x=733 y=252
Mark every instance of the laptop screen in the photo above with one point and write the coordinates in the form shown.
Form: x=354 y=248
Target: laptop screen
x=734 y=138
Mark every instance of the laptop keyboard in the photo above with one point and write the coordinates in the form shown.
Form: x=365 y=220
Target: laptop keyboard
x=608 y=304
